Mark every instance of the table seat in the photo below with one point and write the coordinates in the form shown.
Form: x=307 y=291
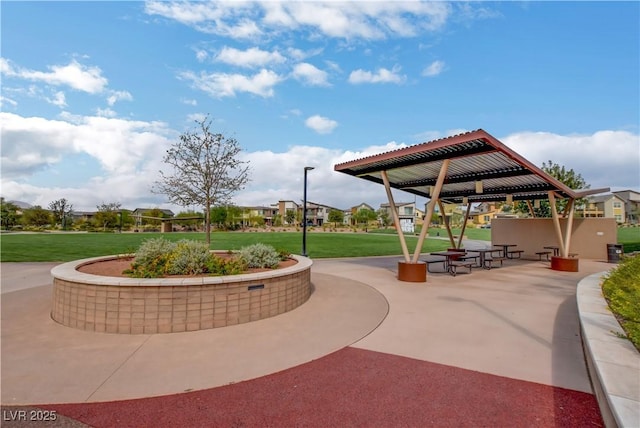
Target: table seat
x=455 y=264
x=489 y=262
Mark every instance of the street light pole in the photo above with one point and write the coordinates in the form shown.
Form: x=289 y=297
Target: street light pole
x=304 y=213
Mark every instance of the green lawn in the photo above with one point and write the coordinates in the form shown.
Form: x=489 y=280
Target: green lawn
x=629 y=237
x=43 y=247
x=40 y=247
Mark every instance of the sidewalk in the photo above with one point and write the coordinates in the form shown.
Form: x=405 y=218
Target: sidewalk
x=361 y=338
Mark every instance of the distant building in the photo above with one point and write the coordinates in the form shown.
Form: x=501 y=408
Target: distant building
x=608 y=206
x=631 y=201
x=408 y=214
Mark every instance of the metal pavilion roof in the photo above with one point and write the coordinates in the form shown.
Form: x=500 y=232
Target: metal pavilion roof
x=474 y=156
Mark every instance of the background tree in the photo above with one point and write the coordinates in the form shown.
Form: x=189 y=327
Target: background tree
x=205 y=170
x=36 y=216
x=569 y=177
x=277 y=220
x=234 y=217
x=290 y=217
x=155 y=212
x=383 y=215
x=336 y=216
x=107 y=215
x=218 y=216
x=193 y=223
x=9 y=216
x=61 y=211
x=364 y=216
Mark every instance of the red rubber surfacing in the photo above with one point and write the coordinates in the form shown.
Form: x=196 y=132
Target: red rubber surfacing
x=355 y=387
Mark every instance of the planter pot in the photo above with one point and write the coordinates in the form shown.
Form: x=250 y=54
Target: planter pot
x=412 y=272
x=565 y=264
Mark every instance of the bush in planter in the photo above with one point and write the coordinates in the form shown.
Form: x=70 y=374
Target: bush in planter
x=260 y=256
x=189 y=258
x=159 y=257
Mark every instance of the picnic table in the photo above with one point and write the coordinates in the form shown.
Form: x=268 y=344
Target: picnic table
x=505 y=248
x=452 y=261
x=555 y=248
x=483 y=255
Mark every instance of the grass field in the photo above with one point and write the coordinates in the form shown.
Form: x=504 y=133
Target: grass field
x=42 y=247
x=52 y=247
x=629 y=237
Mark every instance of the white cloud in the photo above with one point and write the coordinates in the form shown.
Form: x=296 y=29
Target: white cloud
x=201 y=55
x=310 y=74
x=433 y=69
x=106 y=112
x=30 y=144
x=382 y=75
x=604 y=158
x=188 y=101
x=58 y=99
x=130 y=153
x=320 y=124
x=350 y=20
x=221 y=85
x=250 y=58
x=118 y=96
x=75 y=75
x=5 y=100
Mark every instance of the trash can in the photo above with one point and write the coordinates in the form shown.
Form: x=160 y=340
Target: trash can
x=614 y=253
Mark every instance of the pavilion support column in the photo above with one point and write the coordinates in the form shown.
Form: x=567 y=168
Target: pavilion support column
x=531 y=210
x=435 y=196
x=447 y=225
x=396 y=217
x=563 y=262
x=556 y=221
x=567 y=233
x=464 y=224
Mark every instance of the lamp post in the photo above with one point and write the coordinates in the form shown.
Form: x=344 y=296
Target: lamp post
x=304 y=213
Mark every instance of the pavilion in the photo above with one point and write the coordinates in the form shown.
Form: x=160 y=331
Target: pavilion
x=464 y=169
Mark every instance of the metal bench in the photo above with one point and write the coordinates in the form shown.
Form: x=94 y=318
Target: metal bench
x=543 y=253
x=514 y=254
x=436 y=259
x=488 y=263
x=455 y=264
x=468 y=257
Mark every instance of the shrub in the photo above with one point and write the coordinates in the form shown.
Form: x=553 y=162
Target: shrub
x=226 y=266
x=621 y=288
x=283 y=254
x=151 y=258
x=188 y=258
x=260 y=256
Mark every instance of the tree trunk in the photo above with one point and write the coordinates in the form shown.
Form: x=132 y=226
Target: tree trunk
x=207 y=225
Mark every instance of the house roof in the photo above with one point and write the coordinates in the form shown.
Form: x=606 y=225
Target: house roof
x=603 y=198
x=473 y=156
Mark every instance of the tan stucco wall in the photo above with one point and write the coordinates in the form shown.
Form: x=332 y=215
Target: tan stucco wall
x=590 y=235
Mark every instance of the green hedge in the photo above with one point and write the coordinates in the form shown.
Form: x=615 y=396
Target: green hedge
x=621 y=288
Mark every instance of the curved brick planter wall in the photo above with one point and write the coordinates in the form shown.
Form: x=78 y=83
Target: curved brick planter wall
x=167 y=305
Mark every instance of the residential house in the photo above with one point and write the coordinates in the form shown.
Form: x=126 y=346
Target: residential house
x=266 y=213
x=483 y=213
x=407 y=214
x=608 y=206
x=282 y=207
x=631 y=200
x=349 y=213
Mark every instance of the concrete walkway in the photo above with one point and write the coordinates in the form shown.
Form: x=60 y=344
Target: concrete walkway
x=519 y=321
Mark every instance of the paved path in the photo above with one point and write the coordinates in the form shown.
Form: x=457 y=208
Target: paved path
x=492 y=348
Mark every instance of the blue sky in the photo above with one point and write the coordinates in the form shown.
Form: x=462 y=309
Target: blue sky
x=94 y=92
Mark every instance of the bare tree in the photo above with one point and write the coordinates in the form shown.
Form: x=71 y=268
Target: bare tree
x=206 y=170
x=61 y=210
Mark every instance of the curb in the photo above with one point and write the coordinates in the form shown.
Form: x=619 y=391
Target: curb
x=612 y=361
